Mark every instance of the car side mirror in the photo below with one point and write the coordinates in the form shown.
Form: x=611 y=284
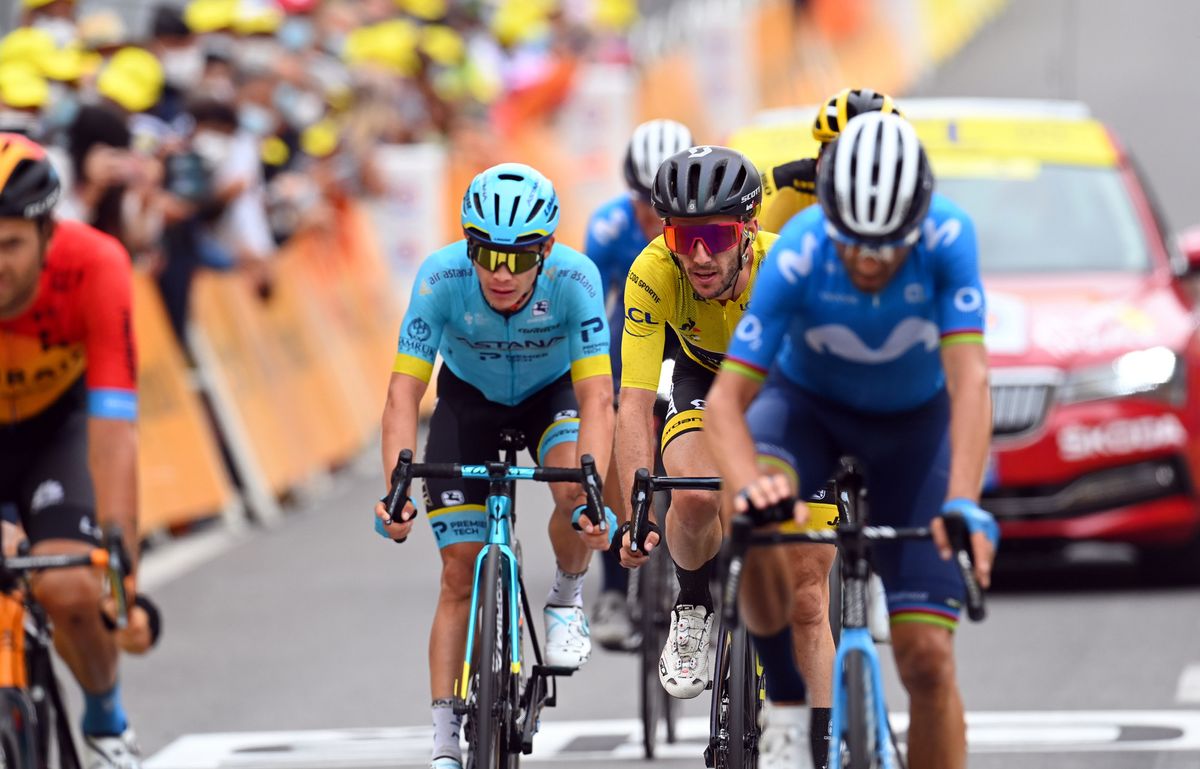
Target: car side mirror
x=1188 y=242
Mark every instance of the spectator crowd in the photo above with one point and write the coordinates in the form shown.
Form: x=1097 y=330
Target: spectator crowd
x=207 y=139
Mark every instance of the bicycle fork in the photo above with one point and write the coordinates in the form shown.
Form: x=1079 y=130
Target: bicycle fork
x=499 y=537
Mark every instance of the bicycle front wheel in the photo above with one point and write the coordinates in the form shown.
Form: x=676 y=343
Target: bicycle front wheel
x=491 y=713
x=744 y=702
x=860 y=748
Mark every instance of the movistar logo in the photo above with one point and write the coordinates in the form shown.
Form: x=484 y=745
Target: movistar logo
x=843 y=342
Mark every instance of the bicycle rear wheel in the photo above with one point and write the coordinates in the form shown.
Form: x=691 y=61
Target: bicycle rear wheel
x=744 y=702
x=488 y=736
x=859 y=746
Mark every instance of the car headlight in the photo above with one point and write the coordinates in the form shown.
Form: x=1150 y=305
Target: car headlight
x=1158 y=372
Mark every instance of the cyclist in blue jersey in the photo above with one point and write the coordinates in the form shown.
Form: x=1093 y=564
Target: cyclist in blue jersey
x=865 y=335
x=616 y=234
x=519 y=322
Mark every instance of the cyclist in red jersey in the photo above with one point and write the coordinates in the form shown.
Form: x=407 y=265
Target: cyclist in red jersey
x=68 y=407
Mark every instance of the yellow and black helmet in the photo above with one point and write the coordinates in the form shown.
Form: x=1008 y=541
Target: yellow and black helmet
x=845 y=104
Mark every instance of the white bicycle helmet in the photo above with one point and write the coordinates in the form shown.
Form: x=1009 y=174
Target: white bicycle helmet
x=652 y=143
x=875 y=185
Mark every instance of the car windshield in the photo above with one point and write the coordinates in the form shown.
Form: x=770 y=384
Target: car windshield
x=1032 y=217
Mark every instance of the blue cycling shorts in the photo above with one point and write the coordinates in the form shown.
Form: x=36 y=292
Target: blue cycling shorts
x=905 y=459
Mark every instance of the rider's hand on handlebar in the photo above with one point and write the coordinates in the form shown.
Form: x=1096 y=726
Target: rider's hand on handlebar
x=632 y=560
x=985 y=536
x=595 y=537
x=397 y=529
x=767 y=491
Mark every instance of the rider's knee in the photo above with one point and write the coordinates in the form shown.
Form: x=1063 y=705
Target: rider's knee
x=810 y=606
x=694 y=509
x=69 y=596
x=458 y=576
x=925 y=660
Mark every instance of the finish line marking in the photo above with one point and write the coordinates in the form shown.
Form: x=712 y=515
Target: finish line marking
x=620 y=740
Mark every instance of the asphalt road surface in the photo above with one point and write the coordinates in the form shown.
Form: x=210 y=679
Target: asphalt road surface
x=305 y=646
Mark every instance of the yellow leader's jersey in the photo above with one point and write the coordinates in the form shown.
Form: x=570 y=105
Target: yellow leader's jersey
x=658 y=294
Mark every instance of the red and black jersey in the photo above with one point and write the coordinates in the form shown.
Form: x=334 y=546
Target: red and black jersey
x=80 y=323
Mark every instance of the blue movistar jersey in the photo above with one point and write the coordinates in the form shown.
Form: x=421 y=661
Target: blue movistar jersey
x=561 y=328
x=872 y=352
x=614 y=240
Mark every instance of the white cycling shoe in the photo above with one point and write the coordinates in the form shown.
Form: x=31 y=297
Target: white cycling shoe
x=683 y=665
x=112 y=752
x=784 y=742
x=568 y=641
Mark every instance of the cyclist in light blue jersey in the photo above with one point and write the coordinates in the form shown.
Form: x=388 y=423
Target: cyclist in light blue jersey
x=616 y=233
x=865 y=335
x=519 y=322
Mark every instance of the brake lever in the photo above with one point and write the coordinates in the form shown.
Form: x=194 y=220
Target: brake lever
x=397 y=495
x=964 y=558
x=593 y=490
x=118 y=568
x=639 y=505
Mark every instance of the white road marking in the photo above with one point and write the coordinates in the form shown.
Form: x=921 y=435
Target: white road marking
x=617 y=740
x=1188 y=690
x=176 y=558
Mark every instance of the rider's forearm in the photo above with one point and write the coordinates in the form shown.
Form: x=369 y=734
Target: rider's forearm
x=401 y=415
x=635 y=436
x=725 y=430
x=596 y=422
x=112 y=461
x=970 y=431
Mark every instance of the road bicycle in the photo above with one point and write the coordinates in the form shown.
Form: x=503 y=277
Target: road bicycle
x=737 y=678
x=500 y=696
x=33 y=716
x=862 y=737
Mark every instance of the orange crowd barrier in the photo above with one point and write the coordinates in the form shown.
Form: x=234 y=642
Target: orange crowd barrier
x=180 y=472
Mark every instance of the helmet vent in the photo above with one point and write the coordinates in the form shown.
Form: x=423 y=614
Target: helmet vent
x=510 y=177
x=537 y=206
x=512 y=215
x=478 y=204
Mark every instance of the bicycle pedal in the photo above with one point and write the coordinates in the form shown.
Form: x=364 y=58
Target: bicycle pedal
x=459 y=707
x=550 y=671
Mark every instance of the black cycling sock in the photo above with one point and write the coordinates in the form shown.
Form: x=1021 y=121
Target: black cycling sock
x=776 y=653
x=818 y=733
x=694 y=585
x=616 y=576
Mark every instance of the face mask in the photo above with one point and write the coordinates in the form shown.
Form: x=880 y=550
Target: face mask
x=62 y=30
x=183 y=67
x=256 y=119
x=212 y=146
x=299 y=108
x=61 y=108
x=296 y=34
x=256 y=55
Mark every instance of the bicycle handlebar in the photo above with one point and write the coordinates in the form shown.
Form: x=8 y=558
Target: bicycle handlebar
x=405 y=471
x=743 y=536
x=644 y=486
x=110 y=556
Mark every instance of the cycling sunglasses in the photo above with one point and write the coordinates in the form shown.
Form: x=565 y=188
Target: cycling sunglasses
x=492 y=259
x=716 y=236
x=837 y=236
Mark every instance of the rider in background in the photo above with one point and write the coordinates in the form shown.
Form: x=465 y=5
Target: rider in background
x=68 y=433
x=792 y=187
x=869 y=318
x=519 y=322
x=616 y=234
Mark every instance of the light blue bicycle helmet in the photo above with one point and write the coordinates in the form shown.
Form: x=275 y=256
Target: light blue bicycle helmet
x=510 y=204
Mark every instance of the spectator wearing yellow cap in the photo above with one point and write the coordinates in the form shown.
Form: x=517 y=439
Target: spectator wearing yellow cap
x=55 y=17
x=23 y=95
x=132 y=80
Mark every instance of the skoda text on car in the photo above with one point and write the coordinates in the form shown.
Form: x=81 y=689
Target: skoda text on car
x=1091 y=334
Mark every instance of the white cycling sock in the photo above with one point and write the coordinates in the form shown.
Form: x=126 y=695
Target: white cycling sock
x=567 y=589
x=446 y=727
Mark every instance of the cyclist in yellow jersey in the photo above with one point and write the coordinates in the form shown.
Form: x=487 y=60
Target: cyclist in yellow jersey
x=791 y=186
x=697 y=278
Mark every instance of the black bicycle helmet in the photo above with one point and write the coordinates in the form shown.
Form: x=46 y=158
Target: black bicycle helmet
x=29 y=185
x=845 y=105
x=706 y=181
